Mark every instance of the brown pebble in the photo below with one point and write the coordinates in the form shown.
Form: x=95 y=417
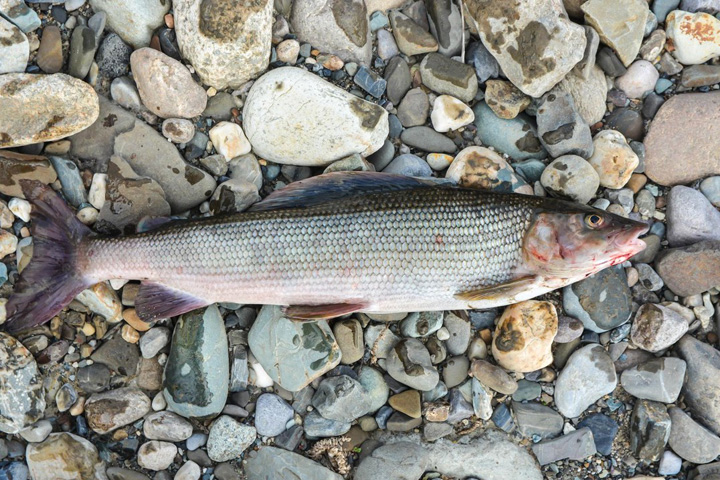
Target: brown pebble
x=155 y=43
x=486 y=335
x=332 y=62
x=169 y=20
x=712 y=337
x=129 y=334
x=407 y=402
x=660 y=202
x=49 y=55
x=637 y=182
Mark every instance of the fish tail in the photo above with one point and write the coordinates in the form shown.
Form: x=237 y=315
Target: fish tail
x=52 y=278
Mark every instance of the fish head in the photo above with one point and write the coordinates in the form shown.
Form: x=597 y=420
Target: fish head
x=573 y=241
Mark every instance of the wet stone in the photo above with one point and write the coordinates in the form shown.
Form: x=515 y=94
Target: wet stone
x=197 y=370
x=421 y=324
x=446 y=76
x=82 y=51
x=316 y=426
x=480 y=167
x=505 y=99
x=702 y=368
x=516 y=137
x=494 y=377
x=411 y=38
x=397 y=75
x=302 y=351
x=649 y=430
x=523 y=336
x=275 y=463
x=409 y=363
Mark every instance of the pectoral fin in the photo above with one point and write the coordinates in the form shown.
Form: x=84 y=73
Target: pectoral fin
x=155 y=301
x=503 y=290
x=322 y=312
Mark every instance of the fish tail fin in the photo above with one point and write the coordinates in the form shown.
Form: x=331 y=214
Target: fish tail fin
x=52 y=278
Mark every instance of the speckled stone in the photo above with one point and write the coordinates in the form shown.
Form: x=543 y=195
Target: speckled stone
x=22 y=401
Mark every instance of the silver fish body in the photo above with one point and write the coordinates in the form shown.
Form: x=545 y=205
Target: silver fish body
x=411 y=250
x=327 y=246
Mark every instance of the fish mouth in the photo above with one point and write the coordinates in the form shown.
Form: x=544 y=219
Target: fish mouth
x=626 y=242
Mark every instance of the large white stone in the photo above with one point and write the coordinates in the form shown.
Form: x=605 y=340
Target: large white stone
x=228 y=42
x=294 y=117
x=133 y=20
x=40 y=108
x=534 y=42
x=696 y=36
x=14 y=48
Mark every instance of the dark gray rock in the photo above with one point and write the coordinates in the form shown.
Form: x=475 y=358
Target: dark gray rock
x=113 y=56
x=482 y=61
x=446 y=25
x=602 y=301
x=604 y=430
x=316 y=426
x=535 y=419
x=577 y=445
x=397 y=75
x=427 y=140
x=414 y=108
x=649 y=430
x=82 y=51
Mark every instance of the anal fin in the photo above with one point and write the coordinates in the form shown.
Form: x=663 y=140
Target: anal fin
x=495 y=291
x=322 y=312
x=155 y=301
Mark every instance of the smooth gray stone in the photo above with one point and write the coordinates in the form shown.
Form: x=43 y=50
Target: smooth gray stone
x=577 y=445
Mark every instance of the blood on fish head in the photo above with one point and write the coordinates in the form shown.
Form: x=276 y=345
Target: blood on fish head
x=574 y=243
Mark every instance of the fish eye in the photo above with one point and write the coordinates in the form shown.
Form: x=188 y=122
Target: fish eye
x=594 y=220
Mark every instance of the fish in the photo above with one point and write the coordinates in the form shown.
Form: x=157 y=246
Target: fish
x=329 y=246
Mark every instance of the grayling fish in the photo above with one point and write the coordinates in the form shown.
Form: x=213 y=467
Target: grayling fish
x=328 y=246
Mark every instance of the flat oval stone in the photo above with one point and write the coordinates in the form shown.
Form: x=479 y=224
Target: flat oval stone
x=198 y=369
x=42 y=108
x=111 y=410
x=686 y=127
x=292 y=116
x=22 y=400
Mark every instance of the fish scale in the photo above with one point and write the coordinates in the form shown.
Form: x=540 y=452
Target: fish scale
x=403 y=250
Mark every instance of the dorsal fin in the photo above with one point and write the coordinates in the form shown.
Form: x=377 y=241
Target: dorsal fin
x=334 y=186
